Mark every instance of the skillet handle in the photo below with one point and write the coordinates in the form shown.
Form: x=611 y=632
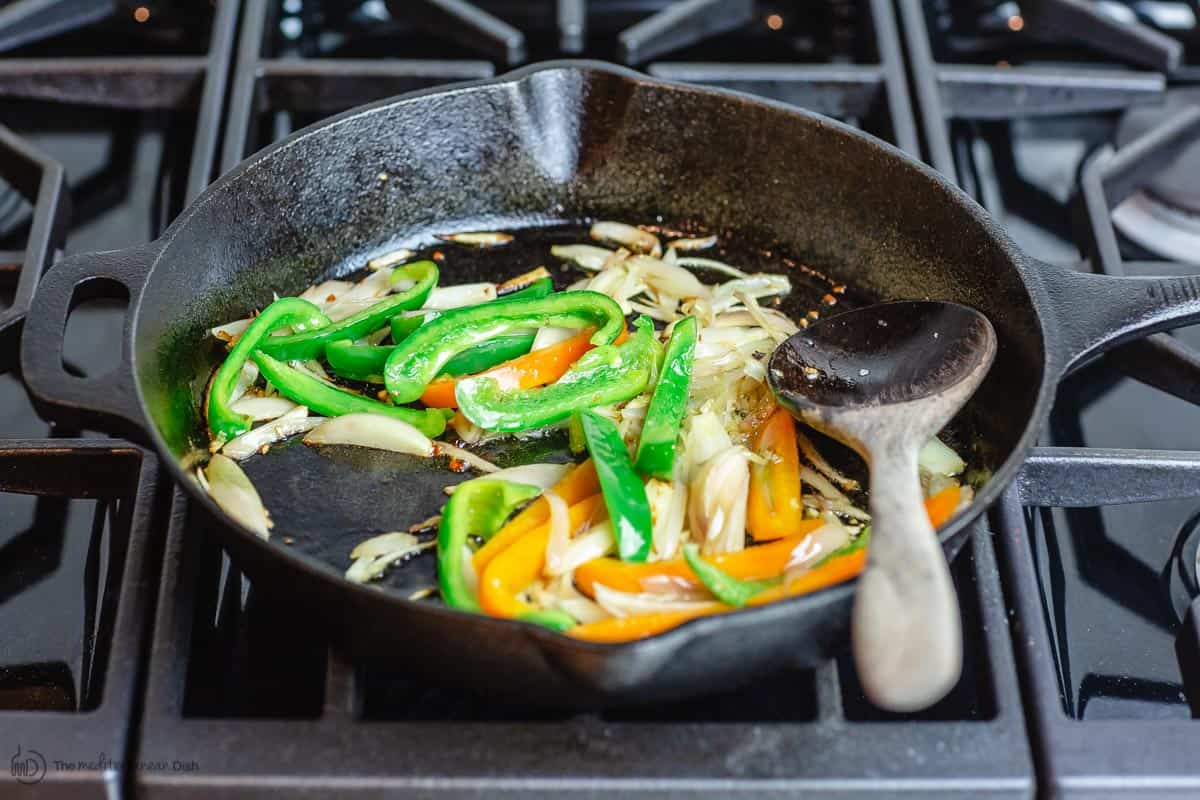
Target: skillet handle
x=108 y=402
x=1092 y=313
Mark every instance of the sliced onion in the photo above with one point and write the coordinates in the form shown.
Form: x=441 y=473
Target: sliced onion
x=368 y=568
x=831 y=536
x=230 y=489
x=245 y=380
x=636 y=239
x=668 y=510
x=583 y=609
x=594 y=543
x=383 y=544
x=543 y=476
x=628 y=604
x=695 y=262
x=550 y=335
x=263 y=408
x=776 y=320
x=231 y=330
x=667 y=278
x=843 y=507
x=814 y=457
x=760 y=284
x=697 y=243
x=478 y=238
x=372 y=430
x=472 y=460
x=717 y=502
x=253 y=441
x=653 y=312
x=342 y=309
x=705 y=436
x=390 y=259
x=560 y=535
x=588 y=256
x=326 y=293
x=444 y=298
x=361 y=295
x=935 y=457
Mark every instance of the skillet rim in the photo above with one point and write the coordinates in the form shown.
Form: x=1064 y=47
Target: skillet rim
x=1001 y=478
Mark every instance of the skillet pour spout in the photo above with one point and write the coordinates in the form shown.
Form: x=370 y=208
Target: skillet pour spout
x=562 y=142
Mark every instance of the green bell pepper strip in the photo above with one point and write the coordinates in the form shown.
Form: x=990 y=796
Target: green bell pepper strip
x=539 y=288
x=477 y=507
x=622 y=488
x=331 y=401
x=403 y=325
x=358 y=362
x=223 y=421
x=575 y=441
x=726 y=588
x=420 y=357
x=311 y=344
x=603 y=375
x=656 y=447
x=364 y=362
x=553 y=618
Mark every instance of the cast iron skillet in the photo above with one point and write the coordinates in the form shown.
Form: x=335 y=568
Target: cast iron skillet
x=552 y=143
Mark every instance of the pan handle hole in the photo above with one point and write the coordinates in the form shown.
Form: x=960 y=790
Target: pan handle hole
x=96 y=322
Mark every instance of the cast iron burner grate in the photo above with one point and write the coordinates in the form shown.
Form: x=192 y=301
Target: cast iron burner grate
x=240 y=684
x=1097 y=729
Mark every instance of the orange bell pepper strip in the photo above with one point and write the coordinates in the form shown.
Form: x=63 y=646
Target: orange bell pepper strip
x=578 y=484
x=830 y=573
x=536 y=368
x=752 y=564
x=773 y=508
x=941 y=506
x=627 y=629
x=521 y=562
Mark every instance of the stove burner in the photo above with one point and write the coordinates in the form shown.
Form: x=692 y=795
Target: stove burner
x=1176 y=185
x=1164 y=217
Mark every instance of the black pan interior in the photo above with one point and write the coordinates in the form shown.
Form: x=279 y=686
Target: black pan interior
x=559 y=146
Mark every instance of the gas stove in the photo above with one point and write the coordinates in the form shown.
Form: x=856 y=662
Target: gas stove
x=136 y=661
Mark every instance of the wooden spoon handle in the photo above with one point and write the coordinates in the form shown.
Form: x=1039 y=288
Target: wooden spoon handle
x=907 y=633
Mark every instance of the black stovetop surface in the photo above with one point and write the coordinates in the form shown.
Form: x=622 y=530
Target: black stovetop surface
x=134 y=660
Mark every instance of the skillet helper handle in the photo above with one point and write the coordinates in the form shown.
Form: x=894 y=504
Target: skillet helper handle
x=108 y=402
x=1094 y=313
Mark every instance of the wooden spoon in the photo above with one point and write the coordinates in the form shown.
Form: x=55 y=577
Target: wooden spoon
x=883 y=380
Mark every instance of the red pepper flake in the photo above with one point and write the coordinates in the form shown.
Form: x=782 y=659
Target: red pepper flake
x=458 y=465
x=803 y=322
x=288 y=540
x=829 y=300
x=839 y=288
x=329 y=298
x=382 y=394
x=438 y=255
x=814 y=314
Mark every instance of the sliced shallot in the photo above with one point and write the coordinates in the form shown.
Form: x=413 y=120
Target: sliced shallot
x=633 y=238
x=444 y=298
x=230 y=489
x=253 y=441
x=478 y=238
x=588 y=256
x=259 y=409
x=372 y=430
